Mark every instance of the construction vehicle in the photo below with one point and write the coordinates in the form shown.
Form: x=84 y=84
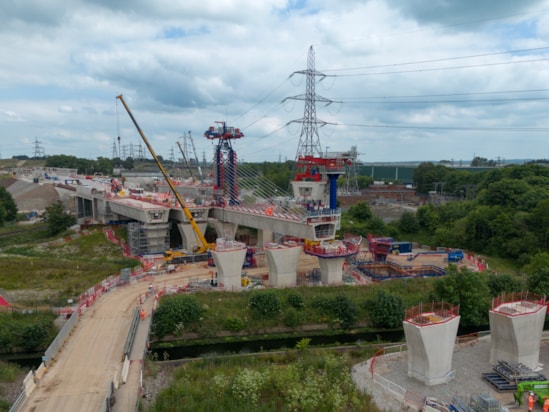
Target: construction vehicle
x=539 y=388
x=205 y=246
x=172 y=257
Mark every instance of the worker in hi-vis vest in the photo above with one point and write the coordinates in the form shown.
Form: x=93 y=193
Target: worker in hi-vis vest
x=531 y=401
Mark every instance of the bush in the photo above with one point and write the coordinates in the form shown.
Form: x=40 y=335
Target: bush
x=265 y=304
x=344 y=310
x=234 y=324
x=292 y=318
x=295 y=300
x=175 y=313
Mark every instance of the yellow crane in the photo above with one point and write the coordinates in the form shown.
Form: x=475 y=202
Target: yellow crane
x=205 y=246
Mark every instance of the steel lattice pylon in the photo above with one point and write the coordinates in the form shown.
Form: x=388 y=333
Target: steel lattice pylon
x=309 y=141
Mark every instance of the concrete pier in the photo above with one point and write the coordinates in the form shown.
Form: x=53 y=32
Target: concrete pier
x=188 y=236
x=282 y=261
x=331 y=270
x=229 y=258
x=224 y=229
x=430 y=337
x=516 y=328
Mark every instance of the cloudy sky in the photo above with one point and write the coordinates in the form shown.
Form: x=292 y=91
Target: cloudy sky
x=409 y=80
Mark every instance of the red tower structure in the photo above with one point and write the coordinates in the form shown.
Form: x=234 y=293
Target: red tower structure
x=225 y=161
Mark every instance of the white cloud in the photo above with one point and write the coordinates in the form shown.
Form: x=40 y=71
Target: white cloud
x=182 y=66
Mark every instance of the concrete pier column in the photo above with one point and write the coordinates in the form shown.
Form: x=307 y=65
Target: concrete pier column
x=228 y=263
x=188 y=236
x=430 y=338
x=224 y=230
x=331 y=270
x=264 y=237
x=282 y=261
x=516 y=329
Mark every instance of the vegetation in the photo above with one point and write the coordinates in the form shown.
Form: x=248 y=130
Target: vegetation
x=54 y=270
x=10 y=374
x=57 y=218
x=304 y=380
x=8 y=208
x=30 y=330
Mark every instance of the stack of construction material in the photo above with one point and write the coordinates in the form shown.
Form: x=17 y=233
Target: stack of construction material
x=505 y=376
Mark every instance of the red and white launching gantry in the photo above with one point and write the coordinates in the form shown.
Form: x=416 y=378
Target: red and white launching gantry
x=225 y=162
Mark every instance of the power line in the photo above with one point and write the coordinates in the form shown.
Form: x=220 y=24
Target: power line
x=446 y=94
x=431 y=69
x=472 y=56
x=487 y=129
x=446 y=101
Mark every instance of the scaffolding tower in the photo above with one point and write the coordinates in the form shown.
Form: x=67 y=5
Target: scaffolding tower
x=148 y=239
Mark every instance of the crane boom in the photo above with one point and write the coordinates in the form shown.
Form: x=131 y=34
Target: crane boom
x=205 y=245
x=185 y=159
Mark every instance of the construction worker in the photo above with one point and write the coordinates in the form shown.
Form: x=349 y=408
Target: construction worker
x=143 y=314
x=531 y=401
x=546 y=404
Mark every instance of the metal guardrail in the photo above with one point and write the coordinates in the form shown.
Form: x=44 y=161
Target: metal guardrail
x=109 y=399
x=18 y=402
x=60 y=338
x=131 y=334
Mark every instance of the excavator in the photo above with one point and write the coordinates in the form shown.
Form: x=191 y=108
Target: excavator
x=204 y=245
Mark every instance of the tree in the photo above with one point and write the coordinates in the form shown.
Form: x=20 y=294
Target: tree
x=482 y=162
x=427 y=174
x=360 y=211
x=506 y=192
x=57 y=218
x=467 y=289
x=8 y=205
x=537 y=274
x=386 y=310
x=504 y=282
x=408 y=223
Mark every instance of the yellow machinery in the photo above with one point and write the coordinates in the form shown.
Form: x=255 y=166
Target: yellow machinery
x=205 y=246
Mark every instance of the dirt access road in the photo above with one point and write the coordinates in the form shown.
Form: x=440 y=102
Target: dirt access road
x=92 y=357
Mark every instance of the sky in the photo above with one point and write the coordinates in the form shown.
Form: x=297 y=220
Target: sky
x=414 y=80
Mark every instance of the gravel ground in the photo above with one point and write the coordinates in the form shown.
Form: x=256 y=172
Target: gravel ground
x=469 y=361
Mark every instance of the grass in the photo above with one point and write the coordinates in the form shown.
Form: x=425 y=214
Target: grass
x=56 y=269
